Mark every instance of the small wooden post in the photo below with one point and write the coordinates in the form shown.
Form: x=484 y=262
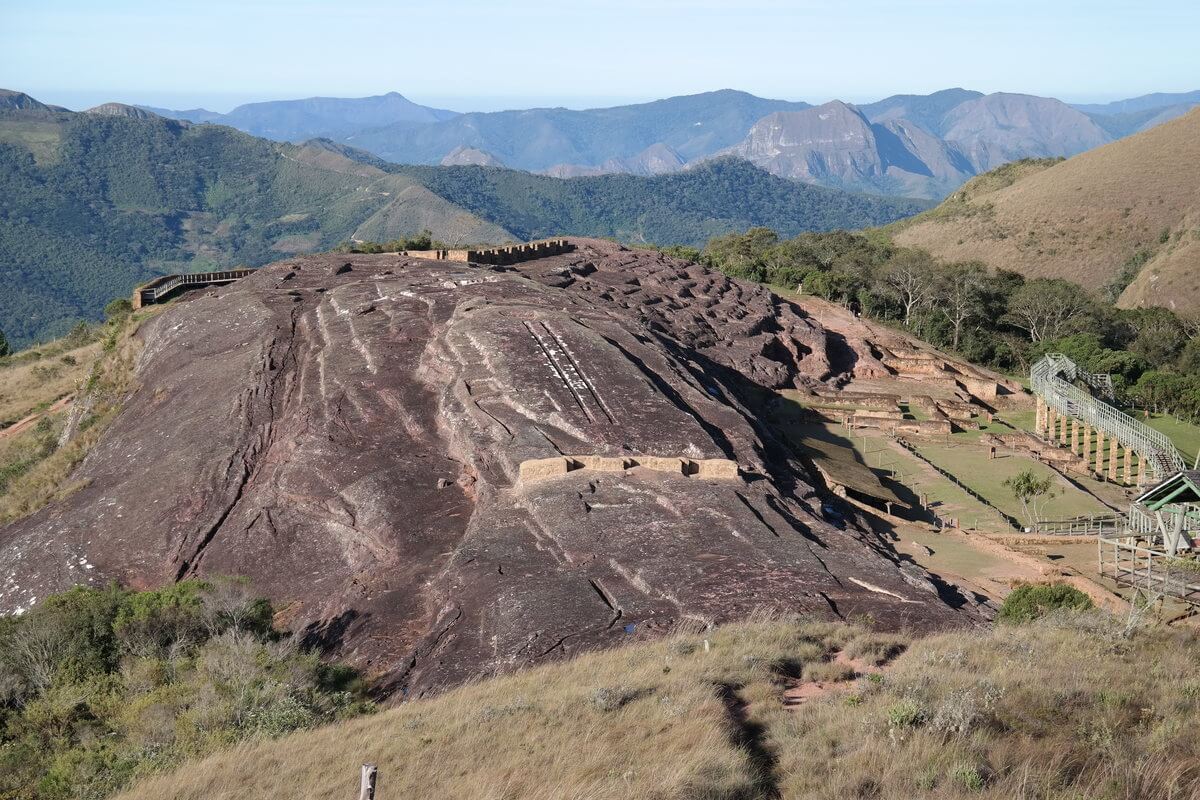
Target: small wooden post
x=366 y=786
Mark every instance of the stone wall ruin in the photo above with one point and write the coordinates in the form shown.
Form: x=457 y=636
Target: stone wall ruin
x=536 y=469
x=511 y=254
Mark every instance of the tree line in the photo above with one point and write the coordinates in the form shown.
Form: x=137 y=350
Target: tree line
x=993 y=317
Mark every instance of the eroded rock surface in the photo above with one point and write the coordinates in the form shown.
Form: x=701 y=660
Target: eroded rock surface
x=347 y=431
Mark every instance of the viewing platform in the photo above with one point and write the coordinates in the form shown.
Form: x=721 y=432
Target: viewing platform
x=160 y=289
x=1156 y=551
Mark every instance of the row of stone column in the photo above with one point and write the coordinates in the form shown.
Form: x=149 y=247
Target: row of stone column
x=1118 y=464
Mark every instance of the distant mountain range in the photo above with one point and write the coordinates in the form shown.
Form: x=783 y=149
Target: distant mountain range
x=93 y=203
x=904 y=145
x=314 y=117
x=1124 y=117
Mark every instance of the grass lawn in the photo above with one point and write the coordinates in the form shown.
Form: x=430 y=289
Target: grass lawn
x=877 y=453
x=972 y=466
x=961 y=562
x=1023 y=420
x=1185 y=435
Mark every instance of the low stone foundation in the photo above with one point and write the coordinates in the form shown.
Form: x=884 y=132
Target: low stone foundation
x=1059 y=458
x=926 y=427
x=536 y=469
x=882 y=402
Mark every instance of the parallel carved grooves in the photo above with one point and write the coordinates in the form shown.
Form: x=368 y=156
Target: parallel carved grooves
x=254 y=448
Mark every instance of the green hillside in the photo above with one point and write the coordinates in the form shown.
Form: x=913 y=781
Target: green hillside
x=686 y=207
x=91 y=205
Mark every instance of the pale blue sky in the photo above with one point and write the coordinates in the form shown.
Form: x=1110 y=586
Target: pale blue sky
x=475 y=54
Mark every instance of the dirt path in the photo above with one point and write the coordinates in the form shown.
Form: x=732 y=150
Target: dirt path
x=28 y=422
x=799 y=692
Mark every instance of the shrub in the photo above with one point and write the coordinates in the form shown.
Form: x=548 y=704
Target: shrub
x=907 y=713
x=609 y=698
x=118 y=309
x=1029 y=602
x=98 y=686
x=968 y=776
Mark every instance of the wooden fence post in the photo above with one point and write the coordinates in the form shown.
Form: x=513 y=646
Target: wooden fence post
x=366 y=786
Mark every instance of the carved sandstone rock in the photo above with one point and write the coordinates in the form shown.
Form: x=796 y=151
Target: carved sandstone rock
x=353 y=442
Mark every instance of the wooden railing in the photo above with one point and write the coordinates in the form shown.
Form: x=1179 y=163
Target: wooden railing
x=161 y=288
x=1091 y=525
x=1133 y=561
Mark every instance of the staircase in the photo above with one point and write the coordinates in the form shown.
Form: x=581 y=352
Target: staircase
x=1055 y=378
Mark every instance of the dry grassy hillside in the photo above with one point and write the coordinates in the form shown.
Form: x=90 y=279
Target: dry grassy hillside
x=77 y=382
x=1071 y=706
x=1085 y=218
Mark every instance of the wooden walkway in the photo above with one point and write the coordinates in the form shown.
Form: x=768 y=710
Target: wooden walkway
x=159 y=289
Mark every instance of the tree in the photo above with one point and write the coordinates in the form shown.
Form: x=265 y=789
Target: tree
x=1160 y=336
x=1032 y=491
x=4 y=348
x=738 y=250
x=960 y=296
x=1047 y=308
x=1189 y=359
x=910 y=279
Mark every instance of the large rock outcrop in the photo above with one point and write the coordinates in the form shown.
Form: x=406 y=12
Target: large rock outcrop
x=836 y=145
x=348 y=432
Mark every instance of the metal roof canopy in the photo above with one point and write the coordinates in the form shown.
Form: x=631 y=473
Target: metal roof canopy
x=1182 y=487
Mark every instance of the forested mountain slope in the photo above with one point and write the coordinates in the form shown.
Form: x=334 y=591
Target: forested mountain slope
x=92 y=204
x=680 y=208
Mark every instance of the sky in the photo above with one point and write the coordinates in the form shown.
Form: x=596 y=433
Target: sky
x=491 y=54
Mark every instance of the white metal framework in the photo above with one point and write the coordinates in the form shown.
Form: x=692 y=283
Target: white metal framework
x=1156 y=552
x=1056 y=380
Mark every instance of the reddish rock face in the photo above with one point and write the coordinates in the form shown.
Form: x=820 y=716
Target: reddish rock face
x=350 y=439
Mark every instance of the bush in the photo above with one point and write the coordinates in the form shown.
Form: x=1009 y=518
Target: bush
x=1029 y=602
x=118 y=309
x=611 y=698
x=907 y=713
x=969 y=777
x=98 y=686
